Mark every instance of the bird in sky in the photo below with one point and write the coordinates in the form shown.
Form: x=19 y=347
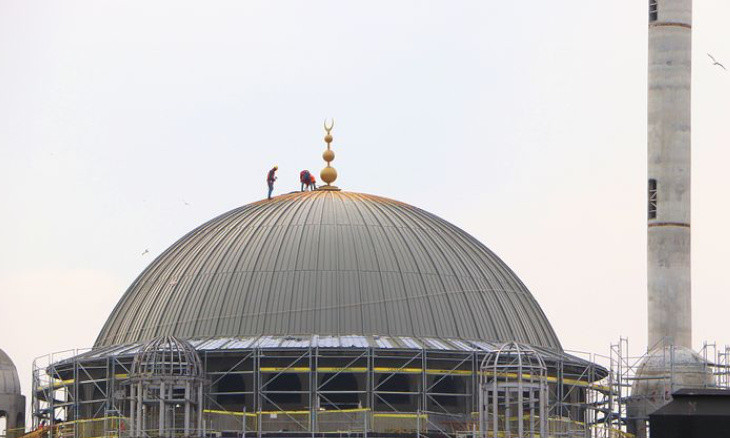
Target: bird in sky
x=145 y=251
x=186 y=202
x=714 y=62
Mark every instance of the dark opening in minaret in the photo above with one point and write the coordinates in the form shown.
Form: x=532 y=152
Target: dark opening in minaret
x=652 y=198
x=653 y=10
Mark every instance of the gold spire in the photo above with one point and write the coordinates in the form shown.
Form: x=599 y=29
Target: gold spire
x=328 y=174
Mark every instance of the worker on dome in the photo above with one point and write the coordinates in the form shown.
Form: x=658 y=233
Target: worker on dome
x=270 y=178
x=304 y=179
x=307 y=180
x=312 y=182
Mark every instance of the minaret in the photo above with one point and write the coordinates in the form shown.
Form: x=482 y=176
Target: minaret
x=670 y=72
x=670 y=363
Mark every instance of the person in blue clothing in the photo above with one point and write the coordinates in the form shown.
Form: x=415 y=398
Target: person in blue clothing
x=304 y=179
x=270 y=178
x=307 y=180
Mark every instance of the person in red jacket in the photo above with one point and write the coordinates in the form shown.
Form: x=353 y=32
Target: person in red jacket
x=270 y=178
x=307 y=180
x=312 y=184
x=304 y=178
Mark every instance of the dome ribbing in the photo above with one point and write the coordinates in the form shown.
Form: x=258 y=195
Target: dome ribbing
x=328 y=263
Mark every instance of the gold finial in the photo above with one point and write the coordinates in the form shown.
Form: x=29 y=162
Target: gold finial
x=328 y=174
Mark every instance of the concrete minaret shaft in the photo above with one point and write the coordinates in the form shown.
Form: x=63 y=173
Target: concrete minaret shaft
x=670 y=72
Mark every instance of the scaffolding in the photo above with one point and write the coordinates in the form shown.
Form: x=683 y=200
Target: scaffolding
x=322 y=392
x=633 y=401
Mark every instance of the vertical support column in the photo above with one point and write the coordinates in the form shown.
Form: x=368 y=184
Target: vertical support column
x=531 y=406
x=482 y=403
x=133 y=410
x=140 y=409
x=109 y=378
x=257 y=396
x=507 y=409
x=188 y=402
x=75 y=394
x=313 y=389
x=424 y=382
x=199 y=430
x=171 y=413
x=51 y=402
x=371 y=381
x=495 y=403
x=543 y=406
x=520 y=407
x=143 y=408
x=162 y=409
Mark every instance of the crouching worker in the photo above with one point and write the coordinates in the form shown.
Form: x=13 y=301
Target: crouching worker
x=307 y=180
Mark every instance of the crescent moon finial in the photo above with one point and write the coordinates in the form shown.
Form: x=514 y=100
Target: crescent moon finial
x=329 y=128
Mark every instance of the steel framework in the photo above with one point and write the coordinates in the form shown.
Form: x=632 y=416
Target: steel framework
x=315 y=391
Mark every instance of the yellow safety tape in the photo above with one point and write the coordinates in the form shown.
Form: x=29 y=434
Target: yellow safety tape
x=285 y=369
x=91 y=420
x=342 y=369
x=240 y=414
x=397 y=370
x=408 y=370
x=551 y=379
x=400 y=415
x=337 y=411
x=254 y=414
x=285 y=412
x=450 y=372
x=57 y=384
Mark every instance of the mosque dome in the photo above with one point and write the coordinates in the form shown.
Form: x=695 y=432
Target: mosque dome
x=9 y=382
x=661 y=372
x=328 y=263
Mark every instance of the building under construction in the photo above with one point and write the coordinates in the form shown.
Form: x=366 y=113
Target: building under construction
x=317 y=313
x=328 y=312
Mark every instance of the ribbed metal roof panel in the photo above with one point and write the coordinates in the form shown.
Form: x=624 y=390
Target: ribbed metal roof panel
x=328 y=263
x=335 y=343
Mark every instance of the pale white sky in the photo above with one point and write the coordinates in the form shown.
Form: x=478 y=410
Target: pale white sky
x=524 y=123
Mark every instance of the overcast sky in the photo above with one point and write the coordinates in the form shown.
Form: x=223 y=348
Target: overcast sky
x=524 y=123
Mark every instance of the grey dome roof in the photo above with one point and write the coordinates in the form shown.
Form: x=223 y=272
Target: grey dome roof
x=9 y=382
x=328 y=263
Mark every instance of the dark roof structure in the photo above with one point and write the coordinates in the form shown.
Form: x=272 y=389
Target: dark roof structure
x=328 y=263
x=693 y=413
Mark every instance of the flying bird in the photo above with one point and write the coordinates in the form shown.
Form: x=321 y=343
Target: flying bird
x=186 y=202
x=145 y=251
x=714 y=62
